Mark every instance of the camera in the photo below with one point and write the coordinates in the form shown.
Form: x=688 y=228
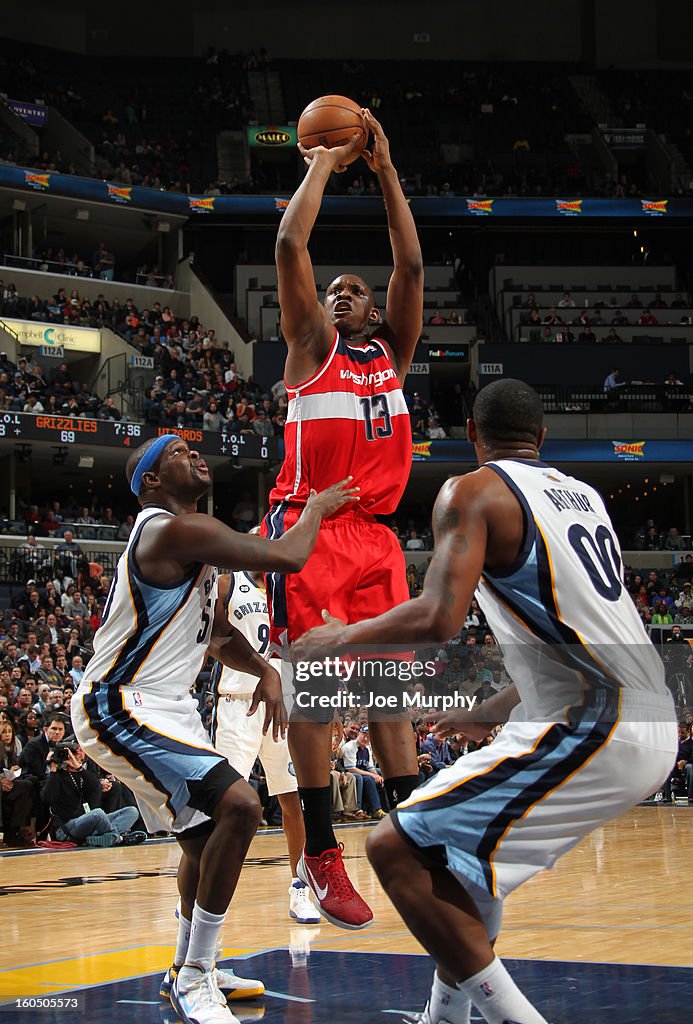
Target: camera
x=60 y=750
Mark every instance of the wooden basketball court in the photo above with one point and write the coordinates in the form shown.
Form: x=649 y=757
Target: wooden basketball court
x=595 y=941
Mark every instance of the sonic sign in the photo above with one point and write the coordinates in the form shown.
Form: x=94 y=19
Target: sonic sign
x=267 y=136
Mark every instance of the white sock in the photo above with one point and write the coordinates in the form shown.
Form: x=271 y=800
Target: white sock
x=297 y=883
x=183 y=939
x=448 y=1004
x=497 y=997
x=204 y=938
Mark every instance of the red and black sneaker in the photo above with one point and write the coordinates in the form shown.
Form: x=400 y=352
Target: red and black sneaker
x=337 y=899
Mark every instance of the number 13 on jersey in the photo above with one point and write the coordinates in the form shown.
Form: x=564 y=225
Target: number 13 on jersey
x=375 y=409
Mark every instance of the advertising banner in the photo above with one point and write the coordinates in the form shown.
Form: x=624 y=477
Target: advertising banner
x=31 y=113
x=267 y=136
x=49 y=336
x=445 y=208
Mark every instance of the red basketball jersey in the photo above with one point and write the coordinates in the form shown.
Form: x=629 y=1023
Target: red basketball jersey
x=349 y=419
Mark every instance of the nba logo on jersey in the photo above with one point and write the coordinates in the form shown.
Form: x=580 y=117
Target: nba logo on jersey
x=137 y=699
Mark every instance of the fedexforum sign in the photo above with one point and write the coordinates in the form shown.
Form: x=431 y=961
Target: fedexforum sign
x=71 y=339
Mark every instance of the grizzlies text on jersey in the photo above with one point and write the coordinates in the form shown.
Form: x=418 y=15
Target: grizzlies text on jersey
x=236 y=735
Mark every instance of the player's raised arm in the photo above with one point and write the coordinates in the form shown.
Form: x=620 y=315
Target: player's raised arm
x=303 y=319
x=404 y=309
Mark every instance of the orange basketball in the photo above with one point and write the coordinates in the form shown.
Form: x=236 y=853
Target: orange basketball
x=332 y=121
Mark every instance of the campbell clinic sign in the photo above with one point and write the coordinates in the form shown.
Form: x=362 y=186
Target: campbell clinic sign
x=272 y=136
x=71 y=339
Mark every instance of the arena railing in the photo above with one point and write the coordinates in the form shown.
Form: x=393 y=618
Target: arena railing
x=643 y=398
x=18 y=564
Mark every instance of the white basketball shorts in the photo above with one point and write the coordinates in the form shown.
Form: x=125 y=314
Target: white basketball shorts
x=508 y=810
x=239 y=738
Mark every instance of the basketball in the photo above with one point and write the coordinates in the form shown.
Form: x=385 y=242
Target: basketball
x=332 y=121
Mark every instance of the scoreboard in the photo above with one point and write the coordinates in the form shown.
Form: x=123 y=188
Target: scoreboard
x=78 y=431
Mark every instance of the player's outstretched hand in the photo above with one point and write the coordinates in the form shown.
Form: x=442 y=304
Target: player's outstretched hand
x=319 y=642
x=269 y=690
x=339 y=156
x=458 y=721
x=332 y=498
x=378 y=156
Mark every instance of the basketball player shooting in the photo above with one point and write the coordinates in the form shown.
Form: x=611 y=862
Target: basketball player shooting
x=346 y=416
x=590 y=727
x=134 y=714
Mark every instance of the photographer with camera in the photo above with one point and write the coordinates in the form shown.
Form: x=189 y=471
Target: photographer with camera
x=33 y=760
x=73 y=792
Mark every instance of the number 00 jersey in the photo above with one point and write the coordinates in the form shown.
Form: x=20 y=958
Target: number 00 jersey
x=561 y=614
x=153 y=637
x=349 y=419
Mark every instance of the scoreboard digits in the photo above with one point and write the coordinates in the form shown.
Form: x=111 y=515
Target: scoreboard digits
x=70 y=430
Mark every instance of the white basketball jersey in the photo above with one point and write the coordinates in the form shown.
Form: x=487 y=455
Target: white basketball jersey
x=247 y=611
x=153 y=637
x=565 y=622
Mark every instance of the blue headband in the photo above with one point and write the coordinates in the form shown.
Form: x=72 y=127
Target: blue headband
x=148 y=459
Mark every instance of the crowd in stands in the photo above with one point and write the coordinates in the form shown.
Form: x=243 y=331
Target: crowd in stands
x=56 y=520
x=663 y=598
x=198 y=383
x=477 y=129
x=69 y=307
x=45 y=643
x=563 y=323
x=202 y=387
x=649 y=538
x=100 y=264
x=148 y=127
x=25 y=386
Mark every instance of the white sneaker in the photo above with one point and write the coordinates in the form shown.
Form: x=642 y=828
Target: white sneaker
x=231 y=986
x=195 y=998
x=301 y=907
x=422 y=1018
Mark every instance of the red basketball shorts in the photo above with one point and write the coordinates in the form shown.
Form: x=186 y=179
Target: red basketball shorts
x=356 y=571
